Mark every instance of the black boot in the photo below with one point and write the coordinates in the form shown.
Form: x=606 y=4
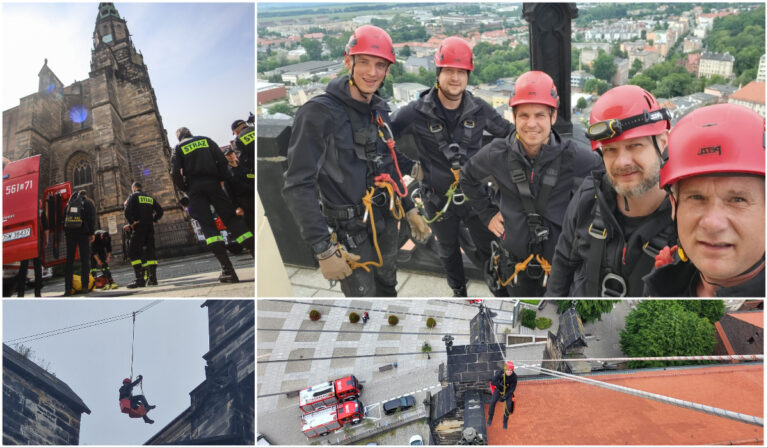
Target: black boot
x=228 y=274
x=148 y=420
x=152 y=275
x=504 y=424
x=460 y=292
x=150 y=407
x=139 y=282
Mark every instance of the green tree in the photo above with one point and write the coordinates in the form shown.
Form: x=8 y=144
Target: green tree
x=575 y=54
x=581 y=103
x=313 y=47
x=644 y=81
x=617 y=52
x=637 y=66
x=406 y=51
x=643 y=34
x=283 y=108
x=603 y=67
x=665 y=328
x=589 y=310
x=712 y=310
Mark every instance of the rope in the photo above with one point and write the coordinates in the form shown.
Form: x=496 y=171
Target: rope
x=367 y=202
x=448 y=199
x=519 y=267
x=133 y=339
x=391 y=145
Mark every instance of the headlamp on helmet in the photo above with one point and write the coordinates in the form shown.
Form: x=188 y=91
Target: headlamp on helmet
x=604 y=130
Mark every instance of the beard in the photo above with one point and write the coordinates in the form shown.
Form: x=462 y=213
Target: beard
x=649 y=181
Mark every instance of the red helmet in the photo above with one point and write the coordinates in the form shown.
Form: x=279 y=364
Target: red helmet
x=509 y=365
x=373 y=41
x=126 y=380
x=723 y=138
x=455 y=52
x=624 y=102
x=534 y=87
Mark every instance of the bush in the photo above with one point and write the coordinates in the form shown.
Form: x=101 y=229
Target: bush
x=354 y=318
x=542 y=323
x=431 y=323
x=393 y=320
x=314 y=315
x=528 y=318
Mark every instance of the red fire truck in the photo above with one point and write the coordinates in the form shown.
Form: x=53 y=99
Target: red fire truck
x=322 y=422
x=329 y=393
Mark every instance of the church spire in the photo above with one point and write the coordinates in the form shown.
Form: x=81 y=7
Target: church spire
x=110 y=27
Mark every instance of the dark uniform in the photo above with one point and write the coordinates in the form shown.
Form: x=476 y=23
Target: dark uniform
x=143 y=210
x=323 y=155
x=126 y=391
x=37 y=262
x=101 y=247
x=681 y=278
x=549 y=180
x=80 y=238
x=204 y=167
x=244 y=142
x=589 y=263
x=505 y=391
x=241 y=190
x=427 y=126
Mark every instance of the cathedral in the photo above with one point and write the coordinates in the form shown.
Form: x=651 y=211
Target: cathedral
x=102 y=134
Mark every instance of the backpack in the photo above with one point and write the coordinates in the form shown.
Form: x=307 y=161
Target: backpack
x=75 y=213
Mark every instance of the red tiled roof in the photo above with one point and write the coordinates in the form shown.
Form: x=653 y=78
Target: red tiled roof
x=754 y=92
x=755 y=319
x=564 y=412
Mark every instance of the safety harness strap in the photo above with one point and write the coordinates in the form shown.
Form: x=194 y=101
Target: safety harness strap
x=365 y=136
x=599 y=232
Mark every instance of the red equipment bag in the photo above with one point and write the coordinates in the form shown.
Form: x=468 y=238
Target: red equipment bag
x=125 y=408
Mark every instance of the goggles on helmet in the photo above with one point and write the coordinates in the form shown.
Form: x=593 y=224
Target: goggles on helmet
x=604 y=130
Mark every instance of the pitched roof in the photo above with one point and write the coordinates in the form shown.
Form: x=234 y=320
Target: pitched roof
x=752 y=317
x=571 y=413
x=754 y=92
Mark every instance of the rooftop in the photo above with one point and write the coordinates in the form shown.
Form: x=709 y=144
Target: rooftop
x=563 y=412
x=754 y=92
x=752 y=317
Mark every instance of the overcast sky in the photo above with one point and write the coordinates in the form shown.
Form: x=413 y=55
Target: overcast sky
x=171 y=339
x=200 y=56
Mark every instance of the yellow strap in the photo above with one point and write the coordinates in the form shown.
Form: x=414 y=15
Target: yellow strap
x=519 y=267
x=368 y=203
x=448 y=198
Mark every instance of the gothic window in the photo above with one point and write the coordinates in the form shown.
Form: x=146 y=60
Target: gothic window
x=82 y=174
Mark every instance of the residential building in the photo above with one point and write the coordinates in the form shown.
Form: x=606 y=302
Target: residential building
x=691 y=44
x=579 y=78
x=296 y=54
x=647 y=58
x=752 y=96
x=622 y=72
x=761 y=70
x=722 y=91
x=414 y=63
x=299 y=95
x=405 y=92
x=692 y=63
x=741 y=333
x=716 y=64
x=266 y=92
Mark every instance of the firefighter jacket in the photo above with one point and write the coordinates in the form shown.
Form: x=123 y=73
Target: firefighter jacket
x=102 y=244
x=421 y=131
x=627 y=248
x=680 y=279
x=506 y=385
x=143 y=208
x=239 y=184
x=89 y=220
x=561 y=164
x=197 y=162
x=245 y=143
x=323 y=157
x=126 y=390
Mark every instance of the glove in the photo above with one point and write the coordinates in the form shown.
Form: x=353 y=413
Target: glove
x=336 y=267
x=139 y=377
x=420 y=231
x=416 y=172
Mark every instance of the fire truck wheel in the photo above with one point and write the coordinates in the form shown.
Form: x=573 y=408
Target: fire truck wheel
x=356 y=421
x=324 y=434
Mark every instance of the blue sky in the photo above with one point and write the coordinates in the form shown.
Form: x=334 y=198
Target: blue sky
x=200 y=56
x=171 y=339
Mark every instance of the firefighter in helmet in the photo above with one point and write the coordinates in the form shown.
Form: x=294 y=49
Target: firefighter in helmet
x=126 y=391
x=504 y=383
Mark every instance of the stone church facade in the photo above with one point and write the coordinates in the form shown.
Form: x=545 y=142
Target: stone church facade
x=102 y=134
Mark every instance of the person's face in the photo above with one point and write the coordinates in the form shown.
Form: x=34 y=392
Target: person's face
x=633 y=165
x=721 y=223
x=534 y=123
x=508 y=372
x=231 y=157
x=453 y=81
x=368 y=72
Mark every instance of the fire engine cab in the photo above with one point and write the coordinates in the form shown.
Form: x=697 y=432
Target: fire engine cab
x=329 y=394
x=322 y=422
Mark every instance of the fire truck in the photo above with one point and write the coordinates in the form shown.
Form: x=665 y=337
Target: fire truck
x=329 y=393
x=323 y=421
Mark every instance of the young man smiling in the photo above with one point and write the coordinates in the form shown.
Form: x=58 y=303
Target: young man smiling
x=444 y=126
x=716 y=178
x=341 y=147
x=619 y=219
x=536 y=171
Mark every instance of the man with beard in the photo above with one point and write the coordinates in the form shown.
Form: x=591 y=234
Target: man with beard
x=716 y=179
x=619 y=219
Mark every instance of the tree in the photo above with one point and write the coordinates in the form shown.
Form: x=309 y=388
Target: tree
x=644 y=81
x=283 y=108
x=665 y=328
x=589 y=310
x=643 y=34
x=575 y=54
x=603 y=67
x=314 y=48
x=637 y=66
x=581 y=103
x=406 y=51
x=712 y=310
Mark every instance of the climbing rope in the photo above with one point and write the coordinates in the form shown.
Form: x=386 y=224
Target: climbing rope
x=449 y=198
x=368 y=203
x=391 y=145
x=133 y=339
x=519 y=267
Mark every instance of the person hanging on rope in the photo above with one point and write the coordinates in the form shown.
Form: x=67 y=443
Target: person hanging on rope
x=504 y=383
x=126 y=391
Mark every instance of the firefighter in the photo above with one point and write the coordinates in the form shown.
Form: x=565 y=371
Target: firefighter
x=536 y=171
x=504 y=383
x=126 y=391
x=79 y=236
x=101 y=254
x=240 y=188
x=142 y=211
x=445 y=126
x=244 y=141
x=716 y=179
x=200 y=170
x=342 y=146
x=620 y=218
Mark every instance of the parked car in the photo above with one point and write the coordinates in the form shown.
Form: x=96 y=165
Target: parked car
x=399 y=404
x=261 y=440
x=416 y=440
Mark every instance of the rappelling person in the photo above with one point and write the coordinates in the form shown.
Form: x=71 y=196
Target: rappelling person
x=136 y=400
x=445 y=126
x=342 y=147
x=504 y=383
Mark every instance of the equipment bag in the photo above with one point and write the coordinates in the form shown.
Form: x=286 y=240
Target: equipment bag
x=74 y=215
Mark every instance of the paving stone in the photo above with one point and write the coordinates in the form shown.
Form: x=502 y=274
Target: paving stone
x=388 y=333
x=344 y=362
x=269 y=322
x=350 y=336
x=303 y=291
x=270 y=305
x=299 y=366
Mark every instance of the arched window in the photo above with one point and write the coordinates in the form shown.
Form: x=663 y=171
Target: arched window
x=82 y=174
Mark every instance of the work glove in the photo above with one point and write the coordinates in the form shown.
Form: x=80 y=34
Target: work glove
x=420 y=231
x=416 y=172
x=336 y=267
